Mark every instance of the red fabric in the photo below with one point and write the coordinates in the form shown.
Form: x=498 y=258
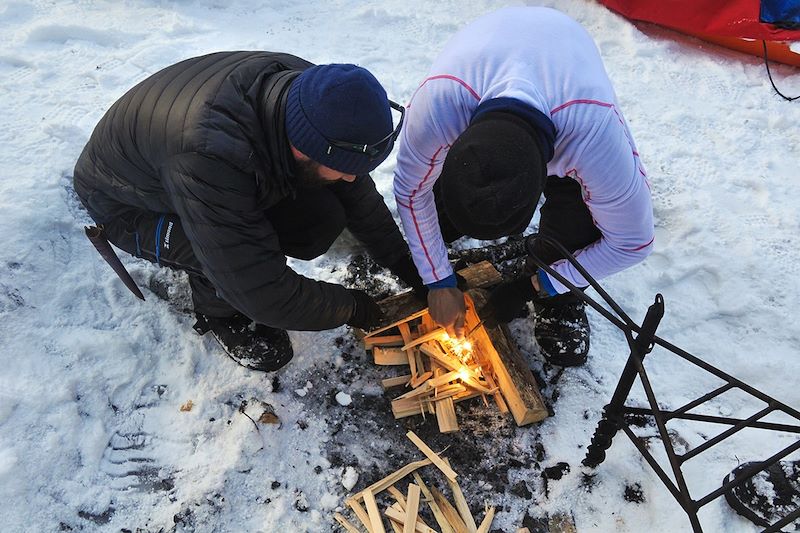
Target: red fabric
x=728 y=18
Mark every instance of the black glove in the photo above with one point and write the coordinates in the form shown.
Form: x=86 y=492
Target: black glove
x=366 y=313
x=408 y=274
x=507 y=302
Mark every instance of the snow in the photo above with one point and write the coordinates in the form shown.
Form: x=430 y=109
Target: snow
x=343 y=399
x=349 y=478
x=91 y=380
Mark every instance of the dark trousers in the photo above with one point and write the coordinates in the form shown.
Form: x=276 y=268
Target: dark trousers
x=563 y=217
x=307 y=226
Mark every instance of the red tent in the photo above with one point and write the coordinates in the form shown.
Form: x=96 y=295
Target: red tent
x=738 y=24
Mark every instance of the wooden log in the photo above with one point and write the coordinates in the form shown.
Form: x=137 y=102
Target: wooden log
x=389 y=356
x=430 y=454
x=481 y=275
x=444 y=525
x=450 y=513
x=399 y=381
x=400 y=307
x=486 y=523
x=446 y=415
x=412 y=508
x=350 y=528
x=385 y=340
x=514 y=378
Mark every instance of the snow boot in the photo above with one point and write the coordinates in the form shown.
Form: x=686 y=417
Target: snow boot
x=562 y=330
x=254 y=346
x=769 y=495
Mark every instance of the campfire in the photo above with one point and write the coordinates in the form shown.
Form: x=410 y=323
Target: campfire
x=444 y=371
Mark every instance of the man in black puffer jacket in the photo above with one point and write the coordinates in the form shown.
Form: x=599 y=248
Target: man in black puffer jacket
x=223 y=165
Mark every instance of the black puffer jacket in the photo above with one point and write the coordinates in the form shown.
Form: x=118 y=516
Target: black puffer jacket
x=204 y=139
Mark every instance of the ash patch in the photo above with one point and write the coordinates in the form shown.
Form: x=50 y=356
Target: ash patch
x=633 y=493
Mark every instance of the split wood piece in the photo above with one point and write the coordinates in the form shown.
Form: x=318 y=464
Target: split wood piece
x=412 y=508
x=381 y=485
x=420 y=362
x=444 y=525
x=437 y=333
x=345 y=523
x=395 y=526
x=430 y=454
x=373 y=512
x=411 y=407
x=450 y=512
x=421 y=379
x=387 y=340
x=360 y=513
x=446 y=415
x=486 y=523
x=389 y=356
x=397 y=495
x=461 y=504
x=514 y=378
x=427 y=324
x=433 y=351
x=523 y=530
x=450 y=390
x=396 y=515
x=399 y=381
x=398 y=323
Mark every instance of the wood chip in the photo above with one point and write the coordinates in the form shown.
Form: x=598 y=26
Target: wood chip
x=187 y=406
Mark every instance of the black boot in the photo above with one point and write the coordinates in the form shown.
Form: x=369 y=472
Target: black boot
x=254 y=346
x=562 y=330
x=769 y=495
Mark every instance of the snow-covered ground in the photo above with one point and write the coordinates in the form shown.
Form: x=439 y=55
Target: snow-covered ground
x=92 y=436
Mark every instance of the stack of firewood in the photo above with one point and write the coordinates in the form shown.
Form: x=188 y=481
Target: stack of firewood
x=443 y=371
x=404 y=514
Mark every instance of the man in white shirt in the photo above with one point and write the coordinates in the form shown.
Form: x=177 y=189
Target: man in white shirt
x=518 y=104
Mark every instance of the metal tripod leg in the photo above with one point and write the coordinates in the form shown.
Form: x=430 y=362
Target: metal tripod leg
x=612 y=413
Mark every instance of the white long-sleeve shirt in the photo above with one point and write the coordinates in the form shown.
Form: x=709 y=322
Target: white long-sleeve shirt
x=547 y=60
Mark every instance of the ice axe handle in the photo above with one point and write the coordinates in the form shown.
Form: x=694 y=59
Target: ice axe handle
x=98 y=238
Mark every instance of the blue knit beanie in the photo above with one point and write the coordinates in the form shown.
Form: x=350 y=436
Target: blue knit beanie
x=339 y=102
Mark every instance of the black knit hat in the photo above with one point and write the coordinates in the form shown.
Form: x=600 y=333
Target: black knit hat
x=339 y=102
x=493 y=176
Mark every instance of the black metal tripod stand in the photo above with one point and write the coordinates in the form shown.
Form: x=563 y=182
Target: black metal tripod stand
x=616 y=413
